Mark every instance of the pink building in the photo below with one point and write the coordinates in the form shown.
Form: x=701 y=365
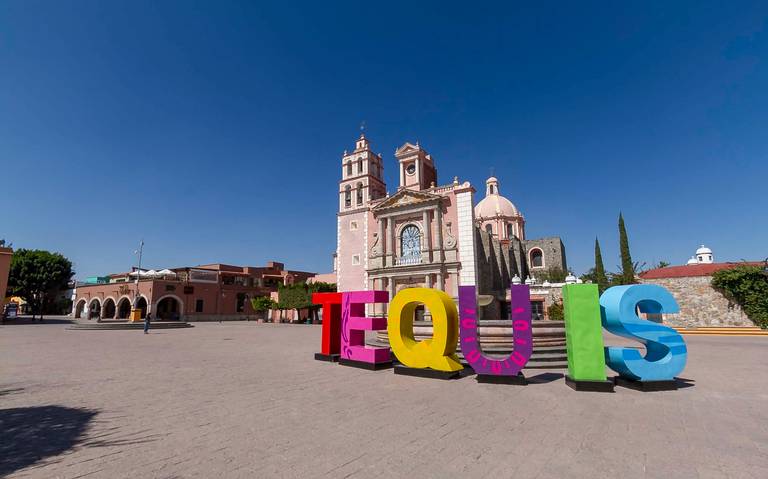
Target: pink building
x=200 y=293
x=429 y=235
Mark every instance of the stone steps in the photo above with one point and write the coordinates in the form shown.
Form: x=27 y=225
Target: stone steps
x=723 y=331
x=115 y=325
x=496 y=340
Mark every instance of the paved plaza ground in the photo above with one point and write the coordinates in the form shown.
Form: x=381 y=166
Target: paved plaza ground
x=247 y=400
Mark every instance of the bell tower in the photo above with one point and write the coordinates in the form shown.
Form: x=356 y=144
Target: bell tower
x=417 y=170
x=362 y=176
x=362 y=180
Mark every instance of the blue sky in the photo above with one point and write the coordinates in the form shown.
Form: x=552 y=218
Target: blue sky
x=214 y=130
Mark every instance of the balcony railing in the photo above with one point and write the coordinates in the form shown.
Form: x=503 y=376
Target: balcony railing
x=407 y=260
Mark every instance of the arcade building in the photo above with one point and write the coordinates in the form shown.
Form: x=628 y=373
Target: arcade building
x=432 y=235
x=211 y=292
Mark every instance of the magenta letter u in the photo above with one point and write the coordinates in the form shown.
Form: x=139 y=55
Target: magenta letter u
x=521 y=325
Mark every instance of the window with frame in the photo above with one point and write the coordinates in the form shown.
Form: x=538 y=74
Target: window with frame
x=353 y=226
x=537 y=258
x=360 y=165
x=510 y=231
x=349 y=168
x=359 y=193
x=348 y=196
x=410 y=242
x=537 y=309
x=199 y=306
x=356 y=259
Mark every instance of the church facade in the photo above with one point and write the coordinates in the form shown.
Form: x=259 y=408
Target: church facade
x=431 y=235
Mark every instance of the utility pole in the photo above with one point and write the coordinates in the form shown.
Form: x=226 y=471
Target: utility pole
x=134 y=315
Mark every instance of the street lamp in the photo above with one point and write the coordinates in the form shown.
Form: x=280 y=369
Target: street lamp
x=138 y=252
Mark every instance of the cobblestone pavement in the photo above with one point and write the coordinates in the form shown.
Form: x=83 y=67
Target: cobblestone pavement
x=247 y=400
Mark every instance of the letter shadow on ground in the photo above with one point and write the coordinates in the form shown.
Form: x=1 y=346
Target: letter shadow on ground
x=544 y=378
x=32 y=434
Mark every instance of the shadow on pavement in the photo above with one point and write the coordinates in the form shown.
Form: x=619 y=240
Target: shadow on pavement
x=685 y=383
x=31 y=434
x=28 y=320
x=545 y=378
x=9 y=391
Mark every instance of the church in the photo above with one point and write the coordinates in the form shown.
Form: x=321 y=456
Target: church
x=431 y=235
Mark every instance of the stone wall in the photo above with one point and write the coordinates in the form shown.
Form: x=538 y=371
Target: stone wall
x=553 y=249
x=700 y=304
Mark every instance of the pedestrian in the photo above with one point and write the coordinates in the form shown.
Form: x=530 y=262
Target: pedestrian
x=147 y=320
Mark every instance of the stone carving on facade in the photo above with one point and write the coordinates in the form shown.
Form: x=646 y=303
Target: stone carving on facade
x=375 y=248
x=450 y=240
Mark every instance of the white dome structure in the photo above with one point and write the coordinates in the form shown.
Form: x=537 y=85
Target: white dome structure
x=692 y=261
x=704 y=255
x=497 y=215
x=494 y=204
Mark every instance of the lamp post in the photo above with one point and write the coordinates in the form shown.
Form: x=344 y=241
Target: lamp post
x=136 y=312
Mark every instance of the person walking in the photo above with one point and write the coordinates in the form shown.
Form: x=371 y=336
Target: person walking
x=147 y=320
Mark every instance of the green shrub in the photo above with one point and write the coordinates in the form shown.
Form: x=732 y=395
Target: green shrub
x=555 y=312
x=748 y=287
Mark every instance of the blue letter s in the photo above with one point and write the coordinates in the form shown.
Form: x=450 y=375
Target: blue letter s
x=666 y=351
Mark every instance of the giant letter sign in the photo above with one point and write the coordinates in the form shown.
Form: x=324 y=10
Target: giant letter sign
x=354 y=324
x=438 y=353
x=666 y=352
x=330 y=346
x=584 y=339
x=521 y=326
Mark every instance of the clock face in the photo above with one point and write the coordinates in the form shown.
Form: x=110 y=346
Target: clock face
x=411 y=241
x=410 y=169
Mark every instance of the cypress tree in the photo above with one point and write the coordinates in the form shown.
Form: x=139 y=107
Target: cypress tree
x=600 y=278
x=627 y=267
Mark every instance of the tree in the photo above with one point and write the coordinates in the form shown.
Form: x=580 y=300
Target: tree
x=553 y=275
x=627 y=275
x=37 y=275
x=748 y=287
x=299 y=296
x=262 y=304
x=599 y=271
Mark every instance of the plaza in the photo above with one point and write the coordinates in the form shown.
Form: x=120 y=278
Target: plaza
x=241 y=399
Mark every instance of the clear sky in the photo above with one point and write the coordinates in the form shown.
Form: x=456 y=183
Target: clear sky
x=214 y=130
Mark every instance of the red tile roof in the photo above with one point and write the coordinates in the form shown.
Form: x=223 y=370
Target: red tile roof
x=692 y=270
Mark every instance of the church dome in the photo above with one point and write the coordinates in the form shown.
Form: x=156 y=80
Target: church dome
x=494 y=204
x=703 y=250
x=693 y=260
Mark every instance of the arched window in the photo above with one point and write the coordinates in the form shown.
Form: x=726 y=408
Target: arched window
x=489 y=229
x=410 y=242
x=359 y=193
x=537 y=258
x=349 y=168
x=348 y=196
x=360 y=165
